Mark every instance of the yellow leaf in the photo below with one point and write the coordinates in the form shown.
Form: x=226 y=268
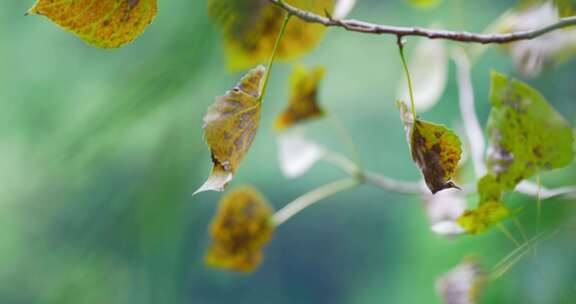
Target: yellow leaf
x=435 y=149
x=303 y=103
x=230 y=127
x=486 y=215
x=102 y=23
x=250 y=28
x=239 y=230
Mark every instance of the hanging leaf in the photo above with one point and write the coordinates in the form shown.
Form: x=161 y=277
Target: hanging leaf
x=303 y=104
x=424 y=3
x=297 y=154
x=102 y=23
x=532 y=56
x=250 y=28
x=239 y=230
x=230 y=126
x=463 y=284
x=429 y=66
x=526 y=134
x=343 y=8
x=435 y=149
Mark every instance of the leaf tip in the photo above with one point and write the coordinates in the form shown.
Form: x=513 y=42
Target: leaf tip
x=217 y=181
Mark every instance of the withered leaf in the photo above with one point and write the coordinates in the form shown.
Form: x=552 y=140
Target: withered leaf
x=250 y=28
x=526 y=134
x=230 y=127
x=239 y=230
x=303 y=104
x=102 y=23
x=435 y=149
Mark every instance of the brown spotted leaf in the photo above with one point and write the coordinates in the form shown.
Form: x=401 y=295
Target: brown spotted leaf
x=303 y=103
x=230 y=127
x=102 y=23
x=239 y=230
x=250 y=28
x=435 y=149
x=526 y=134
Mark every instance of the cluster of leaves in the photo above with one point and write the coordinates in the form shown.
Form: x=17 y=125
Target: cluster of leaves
x=527 y=136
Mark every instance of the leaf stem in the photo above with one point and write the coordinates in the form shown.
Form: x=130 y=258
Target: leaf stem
x=401 y=43
x=512 y=258
x=312 y=197
x=287 y=16
x=508 y=234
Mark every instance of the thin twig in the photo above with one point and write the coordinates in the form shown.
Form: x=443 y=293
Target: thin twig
x=532 y=189
x=392 y=185
x=372 y=28
x=312 y=197
x=468 y=113
x=374 y=179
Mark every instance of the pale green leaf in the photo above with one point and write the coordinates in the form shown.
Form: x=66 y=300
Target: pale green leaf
x=526 y=134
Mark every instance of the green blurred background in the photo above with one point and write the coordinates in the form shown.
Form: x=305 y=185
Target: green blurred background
x=100 y=151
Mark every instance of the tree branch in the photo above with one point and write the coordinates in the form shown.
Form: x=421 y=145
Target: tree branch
x=372 y=28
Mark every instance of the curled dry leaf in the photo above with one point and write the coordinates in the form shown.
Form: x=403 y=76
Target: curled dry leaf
x=250 y=28
x=463 y=284
x=443 y=209
x=531 y=56
x=435 y=149
x=102 y=23
x=429 y=66
x=526 y=134
x=239 y=230
x=230 y=127
x=297 y=154
x=303 y=104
